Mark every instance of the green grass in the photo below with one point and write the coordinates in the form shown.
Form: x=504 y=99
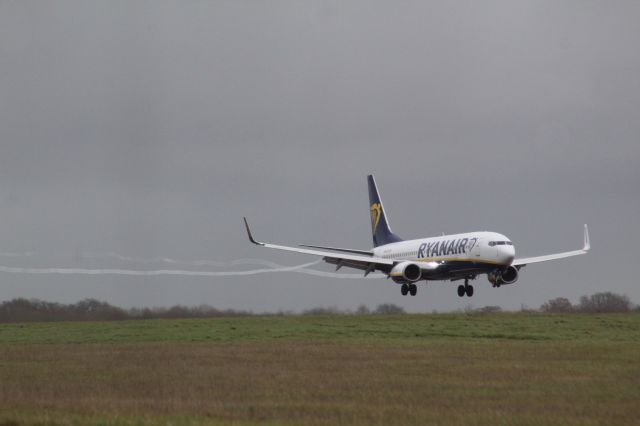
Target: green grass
x=493 y=369
x=379 y=328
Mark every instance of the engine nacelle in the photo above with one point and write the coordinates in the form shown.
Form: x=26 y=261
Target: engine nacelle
x=508 y=275
x=405 y=272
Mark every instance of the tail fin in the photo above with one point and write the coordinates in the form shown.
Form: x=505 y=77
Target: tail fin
x=379 y=226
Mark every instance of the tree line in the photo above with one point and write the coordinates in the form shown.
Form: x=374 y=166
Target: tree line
x=30 y=310
x=33 y=310
x=606 y=302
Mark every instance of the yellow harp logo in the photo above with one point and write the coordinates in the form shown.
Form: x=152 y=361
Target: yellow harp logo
x=376 y=211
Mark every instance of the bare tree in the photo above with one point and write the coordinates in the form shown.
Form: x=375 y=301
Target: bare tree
x=331 y=310
x=604 y=302
x=557 y=306
x=388 y=309
x=363 y=310
x=489 y=309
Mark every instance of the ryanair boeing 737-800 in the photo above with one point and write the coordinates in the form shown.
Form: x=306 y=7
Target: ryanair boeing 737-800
x=449 y=257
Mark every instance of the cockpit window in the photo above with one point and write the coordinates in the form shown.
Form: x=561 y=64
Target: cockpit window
x=500 y=243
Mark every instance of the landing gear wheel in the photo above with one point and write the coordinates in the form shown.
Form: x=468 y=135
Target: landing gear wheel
x=404 y=289
x=469 y=290
x=413 y=289
x=461 y=290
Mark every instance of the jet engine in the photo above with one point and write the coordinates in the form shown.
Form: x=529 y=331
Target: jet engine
x=406 y=272
x=508 y=275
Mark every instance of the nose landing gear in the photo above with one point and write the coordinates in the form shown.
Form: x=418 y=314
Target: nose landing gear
x=465 y=289
x=411 y=289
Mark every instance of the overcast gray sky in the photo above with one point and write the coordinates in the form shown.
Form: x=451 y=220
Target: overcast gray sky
x=149 y=128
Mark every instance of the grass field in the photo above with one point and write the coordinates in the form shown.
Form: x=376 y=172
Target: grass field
x=409 y=369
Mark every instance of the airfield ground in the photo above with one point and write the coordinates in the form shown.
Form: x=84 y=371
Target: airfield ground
x=410 y=369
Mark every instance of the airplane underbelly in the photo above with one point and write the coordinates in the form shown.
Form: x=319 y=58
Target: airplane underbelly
x=460 y=269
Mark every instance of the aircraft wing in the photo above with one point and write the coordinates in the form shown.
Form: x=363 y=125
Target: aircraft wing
x=528 y=260
x=367 y=263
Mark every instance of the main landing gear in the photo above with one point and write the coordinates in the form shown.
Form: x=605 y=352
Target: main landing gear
x=409 y=288
x=465 y=289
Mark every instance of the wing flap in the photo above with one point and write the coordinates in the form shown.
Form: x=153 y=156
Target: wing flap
x=332 y=255
x=344 y=250
x=354 y=264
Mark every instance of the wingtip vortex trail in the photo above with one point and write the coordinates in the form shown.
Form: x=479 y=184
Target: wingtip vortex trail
x=267 y=267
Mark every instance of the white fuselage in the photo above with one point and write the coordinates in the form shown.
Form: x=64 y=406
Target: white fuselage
x=476 y=247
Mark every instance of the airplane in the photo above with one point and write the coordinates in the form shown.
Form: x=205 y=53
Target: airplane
x=446 y=258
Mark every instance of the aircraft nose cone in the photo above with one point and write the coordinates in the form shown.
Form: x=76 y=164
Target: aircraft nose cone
x=506 y=254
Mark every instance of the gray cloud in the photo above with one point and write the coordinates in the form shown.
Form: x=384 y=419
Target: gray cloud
x=151 y=128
